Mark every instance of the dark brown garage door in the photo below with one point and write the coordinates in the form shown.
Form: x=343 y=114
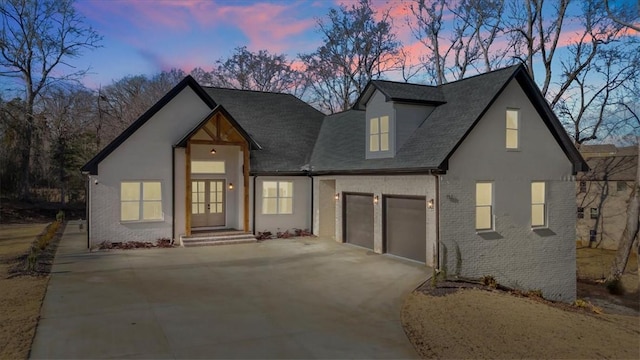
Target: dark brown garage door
x=405 y=227
x=358 y=219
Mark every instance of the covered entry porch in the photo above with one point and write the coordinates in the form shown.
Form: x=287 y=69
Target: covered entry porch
x=211 y=183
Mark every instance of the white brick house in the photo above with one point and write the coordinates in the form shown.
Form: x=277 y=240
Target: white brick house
x=473 y=177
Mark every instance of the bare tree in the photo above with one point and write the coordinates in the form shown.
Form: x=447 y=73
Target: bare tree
x=261 y=71
x=624 y=15
x=202 y=76
x=470 y=45
x=536 y=31
x=357 y=47
x=123 y=101
x=426 y=28
x=630 y=233
x=37 y=37
x=595 y=105
x=69 y=109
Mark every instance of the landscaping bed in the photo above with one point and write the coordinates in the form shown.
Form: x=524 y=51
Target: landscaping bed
x=481 y=319
x=23 y=282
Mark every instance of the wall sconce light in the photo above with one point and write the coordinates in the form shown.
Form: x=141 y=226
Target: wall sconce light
x=375 y=200
x=213 y=151
x=430 y=204
x=337 y=196
x=230 y=186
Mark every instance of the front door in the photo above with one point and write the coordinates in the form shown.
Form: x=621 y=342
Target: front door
x=207 y=203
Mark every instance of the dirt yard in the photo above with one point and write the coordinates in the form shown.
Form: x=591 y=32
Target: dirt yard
x=474 y=323
x=479 y=324
x=21 y=296
x=593 y=266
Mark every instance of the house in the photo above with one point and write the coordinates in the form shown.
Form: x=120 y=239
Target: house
x=474 y=177
x=603 y=193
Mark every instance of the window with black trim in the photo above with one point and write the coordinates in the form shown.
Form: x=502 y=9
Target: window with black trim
x=594 y=213
x=580 y=213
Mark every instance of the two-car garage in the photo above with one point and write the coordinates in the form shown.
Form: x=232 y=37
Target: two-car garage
x=403 y=222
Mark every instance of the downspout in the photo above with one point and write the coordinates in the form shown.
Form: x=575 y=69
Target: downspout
x=173 y=194
x=437 y=206
x=312 y=210
x=253 y=212
x=87 y=197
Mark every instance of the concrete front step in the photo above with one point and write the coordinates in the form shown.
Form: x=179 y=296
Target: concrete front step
x=223 y=238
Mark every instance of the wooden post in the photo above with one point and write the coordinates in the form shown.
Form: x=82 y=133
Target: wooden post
x=188 y=188
x=245 y=174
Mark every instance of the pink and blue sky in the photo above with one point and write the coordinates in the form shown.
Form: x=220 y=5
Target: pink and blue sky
x=147 y=36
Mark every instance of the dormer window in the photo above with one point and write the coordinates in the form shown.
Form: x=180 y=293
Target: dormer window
x=379 y=134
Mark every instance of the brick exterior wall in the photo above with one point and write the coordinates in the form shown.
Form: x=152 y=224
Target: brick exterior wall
x=514 y=254
x=105 y=214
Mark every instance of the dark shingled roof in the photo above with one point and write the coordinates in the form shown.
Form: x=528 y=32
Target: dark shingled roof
x=341 y=146
x=403 y=92
x=285 y=127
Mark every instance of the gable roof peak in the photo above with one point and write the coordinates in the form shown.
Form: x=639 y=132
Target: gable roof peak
x=91 y=166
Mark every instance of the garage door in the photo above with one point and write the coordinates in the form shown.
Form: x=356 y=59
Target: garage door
x=405 y=227
x=358 y=222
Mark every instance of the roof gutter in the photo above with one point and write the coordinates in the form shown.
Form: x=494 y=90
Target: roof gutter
x=400 y=171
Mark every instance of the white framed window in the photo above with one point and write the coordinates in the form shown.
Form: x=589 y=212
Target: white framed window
x=207 y=167
x=277 y=197
x=140 y=201
x=379 y=134
x=484 y=206
x=512 y=128
x=538 y=204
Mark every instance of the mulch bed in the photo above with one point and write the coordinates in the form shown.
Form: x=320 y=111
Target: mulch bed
x=44 y=261
x=447 y=287
x=129 y=245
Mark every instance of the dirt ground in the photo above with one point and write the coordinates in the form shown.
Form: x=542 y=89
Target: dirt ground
x=475 y=323
x=479 y=324
x=593 y=266
x=21 y=296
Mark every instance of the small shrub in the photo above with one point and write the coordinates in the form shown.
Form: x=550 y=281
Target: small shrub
x=164 y=243
x=614 y=286
x=489 y=281
x=284 y=235
x=32 y=259
x=302 y=232
x=60 y=216
x=264 y=235
x=535 y=293
x=581 y=303
x=42 y=242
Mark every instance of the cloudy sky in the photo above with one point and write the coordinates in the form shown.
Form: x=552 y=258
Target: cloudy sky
x=147 y=36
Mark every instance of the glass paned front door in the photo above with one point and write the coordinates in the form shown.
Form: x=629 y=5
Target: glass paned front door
x=207 y=203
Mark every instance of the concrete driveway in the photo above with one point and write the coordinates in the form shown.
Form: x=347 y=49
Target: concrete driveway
x=294 y=298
